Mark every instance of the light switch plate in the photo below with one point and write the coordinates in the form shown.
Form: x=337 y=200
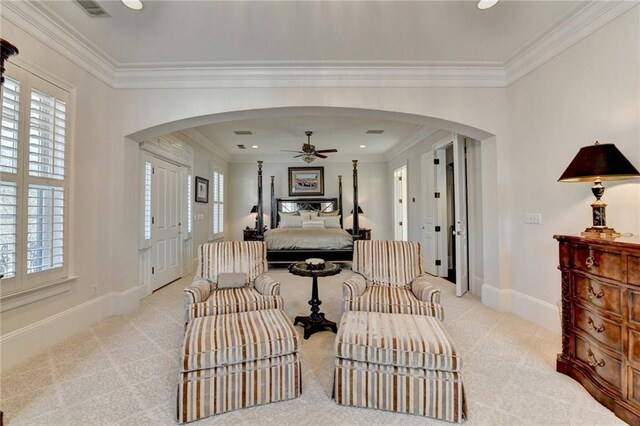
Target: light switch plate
x=533 y=218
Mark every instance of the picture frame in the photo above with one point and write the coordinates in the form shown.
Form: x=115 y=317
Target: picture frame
x=306 y=181
x=202 y=190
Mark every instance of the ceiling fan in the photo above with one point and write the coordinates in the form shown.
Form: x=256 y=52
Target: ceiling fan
x=309 y=152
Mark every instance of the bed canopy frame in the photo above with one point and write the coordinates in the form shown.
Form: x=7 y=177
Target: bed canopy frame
x=279 y=205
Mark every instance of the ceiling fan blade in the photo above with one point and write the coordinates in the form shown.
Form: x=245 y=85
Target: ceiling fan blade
x=297 y=156
x=290 y=150
x=327 y=150
x=320 y=155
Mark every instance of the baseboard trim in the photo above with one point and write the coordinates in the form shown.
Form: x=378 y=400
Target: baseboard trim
x=27 y=341
x=535 y=310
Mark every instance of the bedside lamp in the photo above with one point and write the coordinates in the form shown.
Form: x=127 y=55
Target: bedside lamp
x=359 y=210
x=254 y=209
x=596 y=163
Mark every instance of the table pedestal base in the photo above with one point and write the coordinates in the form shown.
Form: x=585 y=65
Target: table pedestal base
x=311 y=326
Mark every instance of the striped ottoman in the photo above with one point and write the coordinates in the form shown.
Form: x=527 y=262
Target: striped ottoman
x=237 y=361
x=398 y=362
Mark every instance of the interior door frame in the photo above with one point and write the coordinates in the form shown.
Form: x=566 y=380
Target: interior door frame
x=439 y=153
x=404 y=194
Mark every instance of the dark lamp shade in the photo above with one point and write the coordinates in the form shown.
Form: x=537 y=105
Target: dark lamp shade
x=254 y=209
x=599 y=161
x=359 y=210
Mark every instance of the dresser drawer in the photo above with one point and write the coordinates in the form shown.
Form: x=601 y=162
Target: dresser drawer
x=608 y=368
x=602 y=295
x=597 y=262
x=634 y=306
x=603 y=330
x=633 y=266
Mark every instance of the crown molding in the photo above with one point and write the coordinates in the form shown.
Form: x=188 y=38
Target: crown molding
x=415 y=138
x=320 y=75
x=334 y=158
x=41 y=22
x=38 y=20
x=575 y=26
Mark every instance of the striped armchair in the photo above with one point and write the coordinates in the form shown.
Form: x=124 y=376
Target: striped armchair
x=203 y=298
x=388 y=277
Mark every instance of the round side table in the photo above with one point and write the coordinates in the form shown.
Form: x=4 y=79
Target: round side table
x=316 y=321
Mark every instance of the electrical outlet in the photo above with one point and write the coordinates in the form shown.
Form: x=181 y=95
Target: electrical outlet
x=533 y=218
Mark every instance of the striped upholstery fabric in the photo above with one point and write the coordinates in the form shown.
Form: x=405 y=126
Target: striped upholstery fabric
x=401 y=340
x=394 y=263
x=232 y=256
x=237 y=361
x=248 y=257
x=388 y=277
x=232 y=300
x=219 y=340
x=400 y=363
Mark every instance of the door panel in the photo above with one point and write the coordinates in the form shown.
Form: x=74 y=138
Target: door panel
x=461 y=229
x=165 y=230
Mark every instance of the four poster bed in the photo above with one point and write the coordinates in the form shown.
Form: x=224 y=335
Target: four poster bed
x=305 y=227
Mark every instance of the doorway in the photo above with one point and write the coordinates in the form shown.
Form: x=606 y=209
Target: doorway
x=400 y=203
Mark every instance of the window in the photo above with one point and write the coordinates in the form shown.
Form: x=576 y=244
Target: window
x=218 y=203
x=34 y=188
x=189 y=204
x=148 y=171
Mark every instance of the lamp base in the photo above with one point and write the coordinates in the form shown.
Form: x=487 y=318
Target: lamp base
x=600 y=232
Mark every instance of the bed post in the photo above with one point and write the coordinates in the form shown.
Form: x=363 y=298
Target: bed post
x=356 y=225
x=260 y=230
x=274 y=209
x=340 y=212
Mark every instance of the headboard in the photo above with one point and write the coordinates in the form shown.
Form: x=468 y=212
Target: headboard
x=291 y=205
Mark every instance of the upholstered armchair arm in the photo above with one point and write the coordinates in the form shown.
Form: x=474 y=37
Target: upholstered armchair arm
x=354 y=286
x=197 y=292
x=266 y=285
x=424 y=290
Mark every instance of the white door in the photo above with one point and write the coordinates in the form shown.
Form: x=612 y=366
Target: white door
x=461 y=230
x=429 y=215
x=400 y=203
x=165 y=224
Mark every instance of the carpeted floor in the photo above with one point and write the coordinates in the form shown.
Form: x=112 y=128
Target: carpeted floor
x=124 y=370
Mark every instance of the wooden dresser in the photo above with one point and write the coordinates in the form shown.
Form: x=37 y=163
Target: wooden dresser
x=601 y=320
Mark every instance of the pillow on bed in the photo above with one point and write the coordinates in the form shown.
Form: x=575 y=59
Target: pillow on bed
x=287 y=221
x=313 y=224
x=331 y=222
x=231 y=280
x=308 y=214
x=325 y=214
x=289 y=214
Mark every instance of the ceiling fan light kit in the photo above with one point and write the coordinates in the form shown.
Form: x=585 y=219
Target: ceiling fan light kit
x=133 y=4
x=486 y=4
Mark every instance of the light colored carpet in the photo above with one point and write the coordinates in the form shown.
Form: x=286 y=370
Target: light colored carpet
x=124 y=370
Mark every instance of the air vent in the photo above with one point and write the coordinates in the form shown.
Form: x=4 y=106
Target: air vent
x=93 y=8
x=243 y=132
x=375 y=132
x=241 y=146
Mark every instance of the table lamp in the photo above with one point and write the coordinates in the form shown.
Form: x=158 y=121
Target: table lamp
x=596 y=163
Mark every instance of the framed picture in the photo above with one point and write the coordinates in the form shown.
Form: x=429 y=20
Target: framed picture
x=202 y=190
x=306 y=180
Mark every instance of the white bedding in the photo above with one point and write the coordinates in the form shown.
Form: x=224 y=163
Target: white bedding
x=299 y=238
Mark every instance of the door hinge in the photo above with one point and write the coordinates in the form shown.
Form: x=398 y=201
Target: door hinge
x=437 y=229
x=399 y=177
x=153 y=170
x=153 y=220
x=400 y=201
x=436 y=195
x=438 y=262
x=436 y=161
x=153 y=270
x=400 y=223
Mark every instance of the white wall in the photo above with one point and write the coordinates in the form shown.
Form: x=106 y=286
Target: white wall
x=373 y=193
x=590 y=92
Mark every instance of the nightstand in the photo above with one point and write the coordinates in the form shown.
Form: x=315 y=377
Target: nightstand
x=251 y=234
x=365 y=233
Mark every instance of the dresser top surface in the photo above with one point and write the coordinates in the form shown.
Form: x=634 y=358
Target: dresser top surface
x=632 y=242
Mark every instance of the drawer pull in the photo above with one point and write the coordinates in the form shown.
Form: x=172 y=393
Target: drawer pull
x=593 y=294
x=589 y=262
x=593 y=362
x=593 y=327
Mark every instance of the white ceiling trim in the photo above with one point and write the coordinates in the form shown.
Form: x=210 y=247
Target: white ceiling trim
x=416 y=137
x=574 y=28
x=333 y=158
x=196 y=136
x=50 y=29
x=43 y=27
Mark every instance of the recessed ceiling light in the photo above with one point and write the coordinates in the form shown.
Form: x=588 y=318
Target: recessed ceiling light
x=243 y=132
x=363 y=146
x=375 y=132
x=486 y=4
x=254 y=146
x=133 y=4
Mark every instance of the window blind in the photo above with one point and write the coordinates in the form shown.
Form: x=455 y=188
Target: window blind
x=45 y=228
x=189 y=207
x=148 y=171
x=8 y=228
x=218 y=202
x=46 y=136
x=10 y=126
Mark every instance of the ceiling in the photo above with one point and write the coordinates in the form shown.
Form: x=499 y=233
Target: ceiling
x=290 y=33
